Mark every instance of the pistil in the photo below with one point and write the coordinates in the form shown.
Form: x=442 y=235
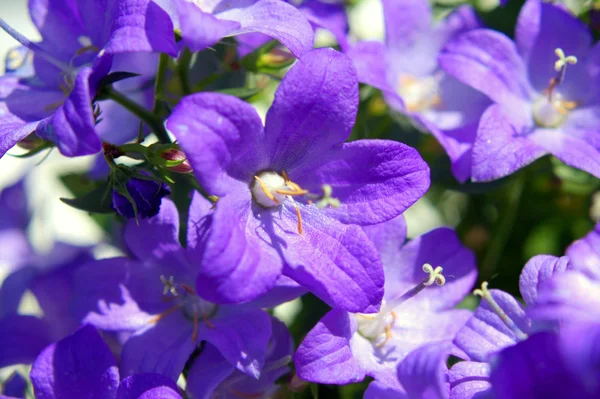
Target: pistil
x=485 y=294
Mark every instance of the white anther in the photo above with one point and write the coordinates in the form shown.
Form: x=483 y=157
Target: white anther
x=562 y=60
x=169 y=285
x=435 y=275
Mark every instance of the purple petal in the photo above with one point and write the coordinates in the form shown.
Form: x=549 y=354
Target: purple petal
x=241 y=335
x=541 y=28
x=470 y=380
x=378 y=390
x=163 y=347
x=329 y=16
x=406 y=22
x=140 y=25
x=499 y=148
x=237 y=262
x=570 y=147
x=423 y=373
x=375 y=180
x=536 y=271
x=14 y=386
x=485 y=333
x=439 y=247
x=274 y=18
x=535 y=368
x=80 y=365
x=334 y=261
x=284 y=290
x=12 y=289
x=200 y=29
x=488 y=61
x=22 y=337
x=314 y=109
x=585 y=253
x=148 y=386
x=155 y=238
x=222 y=137
x=14 y=213
x=325 y=356
x=388 y=238
x=208 y=370
x=198 y=220
x=71 y=127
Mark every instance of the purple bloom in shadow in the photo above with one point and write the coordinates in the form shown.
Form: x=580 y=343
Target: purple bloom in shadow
x=203 y=23
x=344 y=347
x=274 y=185
x=82 y=366
x=499 y=322
x=405 y=68
x=540 y=88
x=147 y=195
x=79 y=40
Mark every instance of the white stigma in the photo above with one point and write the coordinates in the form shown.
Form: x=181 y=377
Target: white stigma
x=549 y=113
x=485 y=294
x=265 y=186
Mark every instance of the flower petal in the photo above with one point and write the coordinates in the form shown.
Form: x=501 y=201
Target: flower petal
x=314 y=109
x=80 y=365
x=23 y=337
x=485 y=333
x=222 y=137
x=378 y=390
x=406 y=22
x=208 y=370
x=470 y=380
x=536 y=271
x=424 y=374
x=148 y=386
x=334 y=261
x=388 y=237
x=325 y=356
x=375 y=180
x=585 y=253
x=499 y=148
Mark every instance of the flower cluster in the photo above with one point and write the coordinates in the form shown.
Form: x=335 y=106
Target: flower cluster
x=232 y=176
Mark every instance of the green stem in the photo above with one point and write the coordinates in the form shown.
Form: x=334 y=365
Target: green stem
x=183 y=67
x=161 y=80
x=502 y=233
x=134 y=148
x=148 y=117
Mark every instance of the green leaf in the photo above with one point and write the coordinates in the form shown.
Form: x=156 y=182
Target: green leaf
x=96 y=201
x=115 y=77
x=43 y=145
x=241 y=92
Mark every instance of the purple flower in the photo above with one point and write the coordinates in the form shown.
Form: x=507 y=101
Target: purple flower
x=78 y=43
x=203 y=23
x=280 y=187
x=406 y=69
x=150 y=302
x=82 y=366
x=540 y=87
x=15 y=249
x=211 y=375
x=145 y=193
x=344 y=347
x=14 y=386
x=499 y=322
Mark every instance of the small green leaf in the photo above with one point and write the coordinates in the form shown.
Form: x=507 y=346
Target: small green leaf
x=241 y=92
x=43 y=145
x=96 y=201
x=115 y=77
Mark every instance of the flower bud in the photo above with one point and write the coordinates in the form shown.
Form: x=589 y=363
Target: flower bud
x=146 y=194
x=176 y=156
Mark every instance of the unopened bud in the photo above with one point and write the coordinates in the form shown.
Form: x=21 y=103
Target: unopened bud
x=178 y=161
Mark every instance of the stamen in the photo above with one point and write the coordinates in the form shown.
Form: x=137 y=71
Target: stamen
x=263 y=186
x=560 y=67
x=484 y=293
x=169 y=285
x=299 y=215
x=162 y=315
x=388 y=331
x=295 y=192
x=195 y=330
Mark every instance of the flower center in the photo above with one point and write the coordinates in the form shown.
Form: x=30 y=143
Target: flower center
x=550 y=110
x=485 y=294
x=419 y=94
x=377 y=328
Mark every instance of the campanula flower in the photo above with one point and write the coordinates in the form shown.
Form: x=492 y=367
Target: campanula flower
x=540 y=88
x=406 y=70
x=81 y=365
x=344 y=347
x=147 y=195
x=202 y=23
x=150 y=299
x=499 y=322
x=291 y=194
x=78 y=43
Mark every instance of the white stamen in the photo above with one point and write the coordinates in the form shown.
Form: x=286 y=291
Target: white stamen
x=484 y=293
x=272 y=181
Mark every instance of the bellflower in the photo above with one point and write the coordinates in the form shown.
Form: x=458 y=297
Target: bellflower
x=499 y=322
x=211 y=375
x=202 y=23
x=82 y=366
x=291 y=194
x=15 y=249
x=575 y=295
x=406 y=69
x=74 y=55
x=344 y=347
x=147 y=195
x=540 y=88
x=151 y=302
